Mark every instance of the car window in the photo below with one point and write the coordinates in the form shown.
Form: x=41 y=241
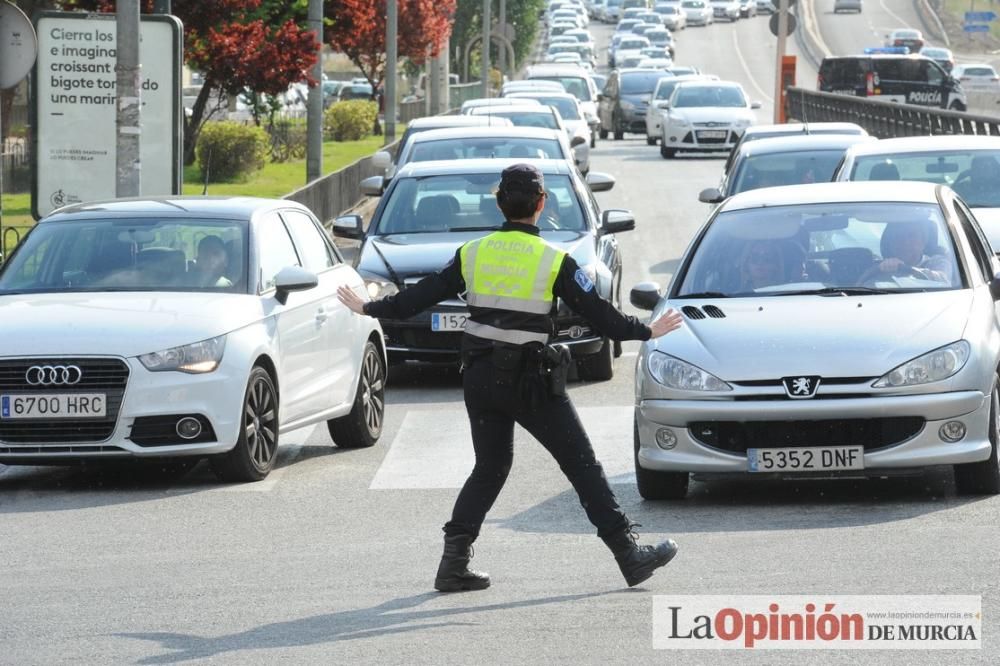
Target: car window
x=275 y=248
x=804 y=248
x=665 y=88
x=574 y=85
x=979 y=71
x=462 y=201
x=130 y=255
x=890 y=70
x=776 y=169
x=486 y=147
x=312 y=246
x=640 y=82
x=980 y=246
x=931 y=73
x=708 y=96
x=973 y=174
x=544 y=119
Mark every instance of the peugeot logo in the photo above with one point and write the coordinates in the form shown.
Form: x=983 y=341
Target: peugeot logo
x=800 y=387
x=53 y=375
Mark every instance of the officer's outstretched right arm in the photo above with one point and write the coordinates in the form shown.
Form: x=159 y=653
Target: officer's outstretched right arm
x=446 y=283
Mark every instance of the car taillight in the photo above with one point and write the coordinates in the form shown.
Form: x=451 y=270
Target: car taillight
x=898 y=42
x=870 y=83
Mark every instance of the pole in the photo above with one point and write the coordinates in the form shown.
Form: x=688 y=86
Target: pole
x=485 y=47
x=127 y=89
x=502 y=25
x=390 y=70
x=782 y=39
x=314 y=109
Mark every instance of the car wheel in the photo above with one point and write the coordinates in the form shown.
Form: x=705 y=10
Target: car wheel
x=362 y=427
x=667 y=153
x=653 y=485
x=257 y=447
x=603 y=133
x=650 y=140
x=983 y=478
x=598 y=367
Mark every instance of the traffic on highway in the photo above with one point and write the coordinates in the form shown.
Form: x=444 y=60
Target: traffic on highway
x=781 y=342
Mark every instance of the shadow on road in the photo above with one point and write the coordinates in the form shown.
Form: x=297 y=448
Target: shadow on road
x=738 y=505
x=395 y=616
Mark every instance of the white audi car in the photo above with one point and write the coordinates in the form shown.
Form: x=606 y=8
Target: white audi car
x=196 y=327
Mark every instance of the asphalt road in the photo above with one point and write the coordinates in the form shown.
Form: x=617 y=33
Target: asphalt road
x=331 y=559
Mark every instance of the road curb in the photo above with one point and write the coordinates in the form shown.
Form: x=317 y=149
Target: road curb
x=807 y=36
x=931 y=20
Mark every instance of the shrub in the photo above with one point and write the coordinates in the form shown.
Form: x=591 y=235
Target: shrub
x=350 y=120
x=288 y=139
x=230 y=151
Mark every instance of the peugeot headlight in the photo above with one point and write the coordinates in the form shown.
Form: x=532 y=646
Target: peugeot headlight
x=677 y=374
x=195 y=359
x=378 y=288
x=933 y=366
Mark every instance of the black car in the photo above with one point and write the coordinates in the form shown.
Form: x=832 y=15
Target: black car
x=431 y=208
x=622 y=104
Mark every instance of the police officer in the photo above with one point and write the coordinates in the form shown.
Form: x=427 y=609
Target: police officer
x=511 y=278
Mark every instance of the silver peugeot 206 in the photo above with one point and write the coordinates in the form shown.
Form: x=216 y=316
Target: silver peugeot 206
x=838 y=329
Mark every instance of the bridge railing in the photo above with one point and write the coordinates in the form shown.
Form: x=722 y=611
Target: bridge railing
x=885 y=119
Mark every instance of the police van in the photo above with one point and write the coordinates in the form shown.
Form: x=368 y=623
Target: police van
x=892 y=75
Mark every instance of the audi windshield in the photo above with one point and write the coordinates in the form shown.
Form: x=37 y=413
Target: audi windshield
x=129 y=255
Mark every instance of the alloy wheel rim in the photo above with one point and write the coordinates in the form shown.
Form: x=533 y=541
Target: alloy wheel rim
x=259 y=423
x=372 y=393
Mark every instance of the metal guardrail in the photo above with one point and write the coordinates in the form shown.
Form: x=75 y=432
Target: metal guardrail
x=885 y=119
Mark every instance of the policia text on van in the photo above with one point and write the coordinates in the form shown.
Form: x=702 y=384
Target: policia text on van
x=908 y=79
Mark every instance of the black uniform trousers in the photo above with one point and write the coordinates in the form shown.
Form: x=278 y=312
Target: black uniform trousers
x=493 y=409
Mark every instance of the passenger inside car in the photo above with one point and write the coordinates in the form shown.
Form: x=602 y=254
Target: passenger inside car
x=766 y=263
x=981 y=181
x=905 y=251
x=211 y=264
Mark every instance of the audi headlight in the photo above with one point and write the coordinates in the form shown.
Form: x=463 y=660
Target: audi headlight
x=195 y=359
x=378 y=288
x=677 y=374
x=931 y=367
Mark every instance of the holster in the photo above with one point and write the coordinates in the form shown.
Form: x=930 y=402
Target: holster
x=546 y=369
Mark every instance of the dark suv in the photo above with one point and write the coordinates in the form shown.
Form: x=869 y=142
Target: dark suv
x=910 y=79
x=622 y=104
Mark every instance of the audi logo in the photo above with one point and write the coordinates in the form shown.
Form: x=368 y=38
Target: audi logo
x=53 y=375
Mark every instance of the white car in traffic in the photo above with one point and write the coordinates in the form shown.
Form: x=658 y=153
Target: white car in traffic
x=705 y=116
x=182 y=328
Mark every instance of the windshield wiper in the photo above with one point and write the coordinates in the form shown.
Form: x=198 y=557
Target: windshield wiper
x=474 y=229
x=705 y=294
x=836 y=291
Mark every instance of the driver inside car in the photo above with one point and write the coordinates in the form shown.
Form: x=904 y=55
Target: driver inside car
x=210 y=266
x=904 y=247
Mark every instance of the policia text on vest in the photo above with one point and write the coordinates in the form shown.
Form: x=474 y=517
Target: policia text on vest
x=511 y=279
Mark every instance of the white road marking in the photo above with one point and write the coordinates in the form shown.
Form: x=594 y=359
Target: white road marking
x=433 y=448
x=746 y=68
x=888 y=11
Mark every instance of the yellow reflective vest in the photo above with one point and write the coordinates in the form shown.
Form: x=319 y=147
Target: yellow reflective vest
x=509 y=277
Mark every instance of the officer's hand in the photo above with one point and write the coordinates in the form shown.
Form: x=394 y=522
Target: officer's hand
x=670 y=321
x=350 y=299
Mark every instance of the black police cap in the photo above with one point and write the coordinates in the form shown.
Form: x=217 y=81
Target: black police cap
x=522 y=178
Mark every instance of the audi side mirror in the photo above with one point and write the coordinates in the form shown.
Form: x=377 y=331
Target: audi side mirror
x=645 y=295
x=755 y=105
x=600 y=182
x=293 y=278
x=615 y=221
x=995 y=287
x=372 y=186
x=577 y=141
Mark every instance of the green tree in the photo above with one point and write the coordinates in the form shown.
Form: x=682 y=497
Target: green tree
x=524 y=15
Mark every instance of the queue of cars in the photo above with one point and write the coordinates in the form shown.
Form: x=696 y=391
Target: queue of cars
x=789 y=270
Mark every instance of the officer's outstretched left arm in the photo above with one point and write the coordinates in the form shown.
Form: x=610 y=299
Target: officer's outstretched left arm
x=433 y=289
x=575 y=287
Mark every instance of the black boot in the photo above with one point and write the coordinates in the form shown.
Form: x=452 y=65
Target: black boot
x=638 y=562
x=453 y=573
